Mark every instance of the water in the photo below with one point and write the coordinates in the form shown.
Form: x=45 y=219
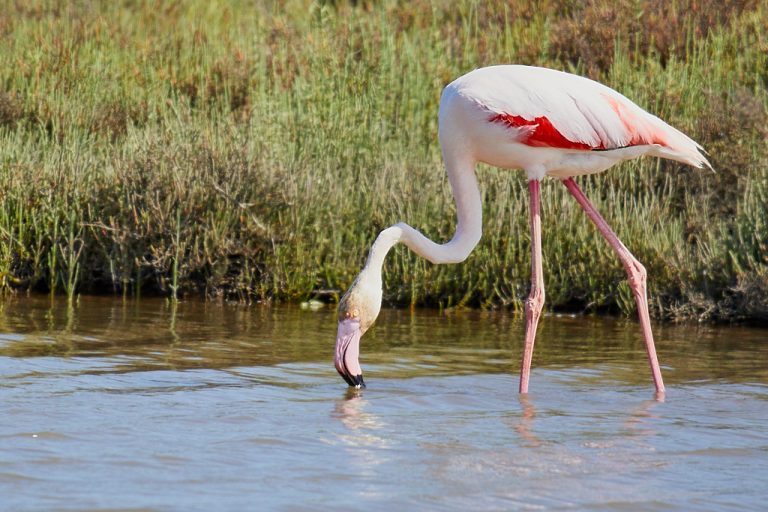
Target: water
x=116 y=405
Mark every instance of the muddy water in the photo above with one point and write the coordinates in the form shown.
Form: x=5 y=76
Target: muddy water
x=112 y=405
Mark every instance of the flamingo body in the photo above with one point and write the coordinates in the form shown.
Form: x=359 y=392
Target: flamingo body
x=553 y=123
x=548 y=123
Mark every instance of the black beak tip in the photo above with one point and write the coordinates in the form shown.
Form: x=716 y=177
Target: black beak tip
x=358 y=381
x=354 y=381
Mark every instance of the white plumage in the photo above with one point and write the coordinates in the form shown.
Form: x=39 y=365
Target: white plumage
x=582 y=111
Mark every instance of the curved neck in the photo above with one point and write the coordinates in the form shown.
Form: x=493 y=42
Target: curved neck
x=469 y=210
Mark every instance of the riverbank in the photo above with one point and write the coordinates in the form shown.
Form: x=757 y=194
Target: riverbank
x=222 y=149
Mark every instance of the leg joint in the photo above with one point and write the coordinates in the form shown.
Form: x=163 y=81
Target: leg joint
x=535 y=301
x=637 y=274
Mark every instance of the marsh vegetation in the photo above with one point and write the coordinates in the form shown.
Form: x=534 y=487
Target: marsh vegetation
x=251 y=151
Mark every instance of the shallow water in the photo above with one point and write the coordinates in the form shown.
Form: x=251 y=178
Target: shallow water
x=114 y=405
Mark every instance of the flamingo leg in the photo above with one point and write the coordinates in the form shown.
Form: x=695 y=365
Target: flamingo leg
x=535 y=302
x=637 y=278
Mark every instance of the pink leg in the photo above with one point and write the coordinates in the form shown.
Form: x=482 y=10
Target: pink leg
x=636 y=273
x=535 y=302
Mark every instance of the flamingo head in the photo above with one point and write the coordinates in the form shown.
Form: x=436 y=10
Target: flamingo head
x=358 y=309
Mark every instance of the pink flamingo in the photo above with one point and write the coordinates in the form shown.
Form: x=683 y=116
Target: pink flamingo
x=548 y=123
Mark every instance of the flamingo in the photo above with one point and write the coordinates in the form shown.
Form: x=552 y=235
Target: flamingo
x=547 y=123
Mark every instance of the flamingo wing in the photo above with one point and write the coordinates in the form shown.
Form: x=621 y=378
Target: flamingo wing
x=549 y=108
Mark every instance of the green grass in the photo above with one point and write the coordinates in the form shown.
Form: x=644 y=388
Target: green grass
x=252 y=151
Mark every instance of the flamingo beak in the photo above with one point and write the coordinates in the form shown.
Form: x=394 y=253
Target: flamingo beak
x=348 y=351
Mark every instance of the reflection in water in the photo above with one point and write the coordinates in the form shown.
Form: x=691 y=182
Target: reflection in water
x=159 y=334
x=111 y=404
x=360 y=424
x=364 y=447
x=524 y=424
x=640 y=422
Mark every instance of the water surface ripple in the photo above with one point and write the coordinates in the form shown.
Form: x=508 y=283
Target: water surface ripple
x=112 y=405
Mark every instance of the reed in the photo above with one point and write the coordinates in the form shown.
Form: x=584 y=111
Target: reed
x=252 y=152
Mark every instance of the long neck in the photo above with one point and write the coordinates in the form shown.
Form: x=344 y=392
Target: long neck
x=461 y=175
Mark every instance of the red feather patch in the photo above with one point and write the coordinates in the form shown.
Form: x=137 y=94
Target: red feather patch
x=543 y=134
